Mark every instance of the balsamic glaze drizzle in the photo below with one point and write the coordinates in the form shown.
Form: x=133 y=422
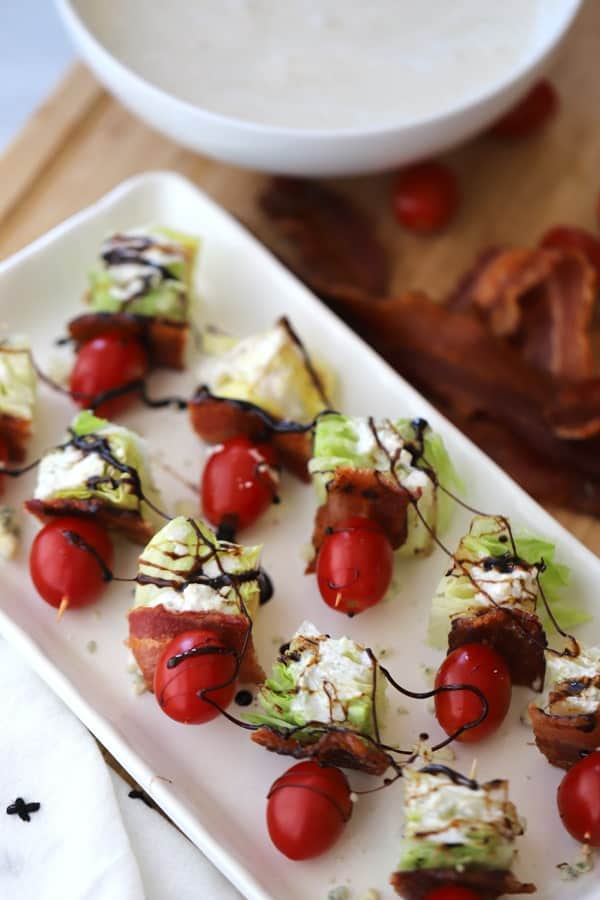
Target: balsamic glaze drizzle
x=272 y=424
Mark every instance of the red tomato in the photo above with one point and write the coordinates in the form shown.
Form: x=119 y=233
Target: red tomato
x=579 y=800
x=566 y=237
x=66 y=575
x=529 y=114
x=207 y=665
x=106 y=363
x=452 y=892
x=3 y=459
x=307 y=809
x=239 y=483
x=354 y=565
x=484 y=668
x=425 y=196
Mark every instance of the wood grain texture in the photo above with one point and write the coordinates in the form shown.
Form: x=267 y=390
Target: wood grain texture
x=83 y=143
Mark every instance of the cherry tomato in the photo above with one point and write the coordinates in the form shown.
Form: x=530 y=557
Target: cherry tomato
x=452 y=892
x=105 y=363
x=484 y=668
x=3 y=459
x=530 y=114
x=239 y=483
x=64 y=574
x=208 y=665
x=579 y=800
x=307 y=809
x=566 y=237
x=354 y=566
x=425 y=196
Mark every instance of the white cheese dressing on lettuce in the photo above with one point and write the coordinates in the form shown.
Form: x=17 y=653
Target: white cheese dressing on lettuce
x=69 y=468
x=173 y=553
x=442 y=812
x=561 y=669
x=65 y=470
x=330 y=673
x=515 y=588
x=132 y=278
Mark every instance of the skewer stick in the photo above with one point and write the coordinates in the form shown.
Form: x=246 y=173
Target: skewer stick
x=64 y=604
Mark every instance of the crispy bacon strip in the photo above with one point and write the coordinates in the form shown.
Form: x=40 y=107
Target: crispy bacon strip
x=128 y=521
x=542 y=299
x=516 y=635
x=564 y=739
x=452 y=357
x=575 y=413
x=487 y=883
x=334 y=748
x=16 y=433
x=337 y=253
x=362 y=492
x=152 y=628
x=559 y=485
x=217 y=419
x=164 y=338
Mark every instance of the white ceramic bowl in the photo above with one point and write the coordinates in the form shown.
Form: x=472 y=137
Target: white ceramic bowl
x=312 y=151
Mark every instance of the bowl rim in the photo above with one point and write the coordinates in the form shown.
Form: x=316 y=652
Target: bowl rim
x=78 y=29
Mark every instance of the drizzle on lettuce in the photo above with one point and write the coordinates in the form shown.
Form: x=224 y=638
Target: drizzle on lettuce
x=449 y=825
x=186 y=552
x=59 y=466
x=490 y=536
x=142 y=289
x=349 y=442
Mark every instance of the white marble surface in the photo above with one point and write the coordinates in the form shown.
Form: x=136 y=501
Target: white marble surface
x=34 y=52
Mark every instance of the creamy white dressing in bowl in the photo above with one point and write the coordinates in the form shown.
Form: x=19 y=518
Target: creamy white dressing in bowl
x=318 y=85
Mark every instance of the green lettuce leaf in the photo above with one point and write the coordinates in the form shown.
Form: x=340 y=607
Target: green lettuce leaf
x=173 y=553
x=165 y=299
x=125 y=446
x=490 y=536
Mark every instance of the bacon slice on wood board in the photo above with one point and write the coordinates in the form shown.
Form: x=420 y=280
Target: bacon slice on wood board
x=496 y=358
x=336 y=250
x=152 y=628
x=541 y=299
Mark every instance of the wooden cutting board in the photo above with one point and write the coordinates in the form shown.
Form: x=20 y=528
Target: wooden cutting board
x=82 y=143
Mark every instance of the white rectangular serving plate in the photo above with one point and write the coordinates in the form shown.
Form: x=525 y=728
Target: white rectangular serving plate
x=212 y=780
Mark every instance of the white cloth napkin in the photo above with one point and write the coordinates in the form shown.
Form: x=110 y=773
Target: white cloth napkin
x=89 y=840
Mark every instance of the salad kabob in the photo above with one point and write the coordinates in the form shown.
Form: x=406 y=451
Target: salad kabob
x=140 y=297
x=258 y=401
x=377 y=483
